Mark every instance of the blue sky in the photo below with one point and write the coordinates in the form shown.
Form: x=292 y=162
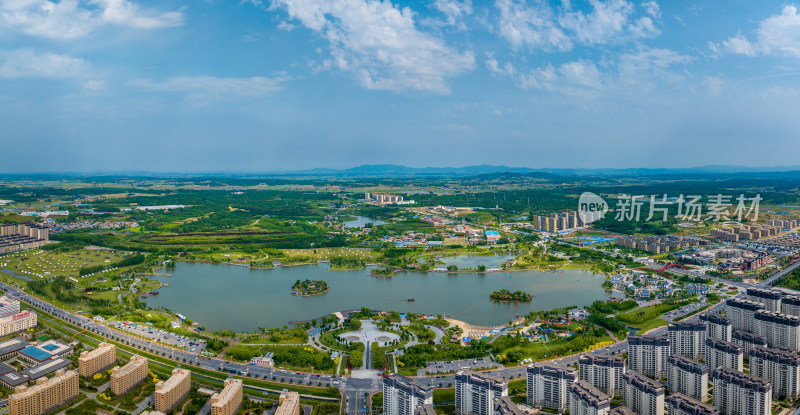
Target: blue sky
x=260 y=85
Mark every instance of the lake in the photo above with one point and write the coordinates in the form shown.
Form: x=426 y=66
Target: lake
x=360 y=221
x=227 y=296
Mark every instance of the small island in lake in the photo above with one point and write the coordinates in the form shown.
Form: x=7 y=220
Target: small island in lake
x=308 y=287
x=505 y=296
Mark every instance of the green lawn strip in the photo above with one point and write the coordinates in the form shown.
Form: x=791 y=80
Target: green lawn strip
x=216 y=377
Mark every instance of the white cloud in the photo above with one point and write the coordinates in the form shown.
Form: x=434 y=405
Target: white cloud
x=380 y=44
x=454 y=11
x=739 y=45
x=631 y=73
x=70 y=19
x=25 y=63
x=537 y=25
x=202 y=90
x=777 y=35
x=652 y=9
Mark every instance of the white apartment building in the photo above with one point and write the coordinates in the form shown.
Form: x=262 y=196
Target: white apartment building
x=548 y=385
x=717 y=326
x=477 y=394
x=742 y=313
x=720 y=353
x=585 y=399
x=688 y=377
x=648 y=355
x=402 y=395
x=748 y=341
x=790 y=304
x=780 y=330
x=680 y=404
x=781 y=367
x=737 y=393
x=643 y=395
x=602 y=372
x=688 y=339
x=769 y=299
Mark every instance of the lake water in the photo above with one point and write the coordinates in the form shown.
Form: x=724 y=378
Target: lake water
x=228 y=296
x=360 y=221
x=473 y=261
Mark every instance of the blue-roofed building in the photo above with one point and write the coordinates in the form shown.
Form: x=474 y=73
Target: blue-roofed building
x=34 y=355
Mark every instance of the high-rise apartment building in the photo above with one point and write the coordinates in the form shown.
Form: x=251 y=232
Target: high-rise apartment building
x=769 y=299
x=288 y=403
x=602 y=372
x=46 y=395
x=476 y=394
x=402 y=395
x=643 y=395
x=229 y=400
x=737 y=393
x=125 y=378
x=680 y=404
x=648 y=355
x=717 y=326
x=742 y=313
x=790 y=304
x=780 y=330
x=720 y=353
x=688 y=339
x=585 y=399
x=548 y=385
x=688 y=377
x=173 y=391
x=748 y=341
x=103 y=357
x=781 y=367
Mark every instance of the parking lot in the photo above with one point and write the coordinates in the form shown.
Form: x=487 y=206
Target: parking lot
x=687 y=309
x=163 y=336
x=452 y=366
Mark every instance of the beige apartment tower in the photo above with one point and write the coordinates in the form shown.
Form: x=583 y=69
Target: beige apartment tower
x=46 y=395
x=229 y=400
x=289 y=404
x=125 y=378
x=171 y=392
x=95 y=361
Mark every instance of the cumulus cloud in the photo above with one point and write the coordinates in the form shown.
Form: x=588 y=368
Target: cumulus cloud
x=537 y=25
x=202 y=90
x=454 y=11
x=380 y=44
x=70 y=19
x=777 y=35
x=636 y=72
x=25 y=63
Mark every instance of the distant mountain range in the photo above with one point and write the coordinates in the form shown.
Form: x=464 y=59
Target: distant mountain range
x=485 y=169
